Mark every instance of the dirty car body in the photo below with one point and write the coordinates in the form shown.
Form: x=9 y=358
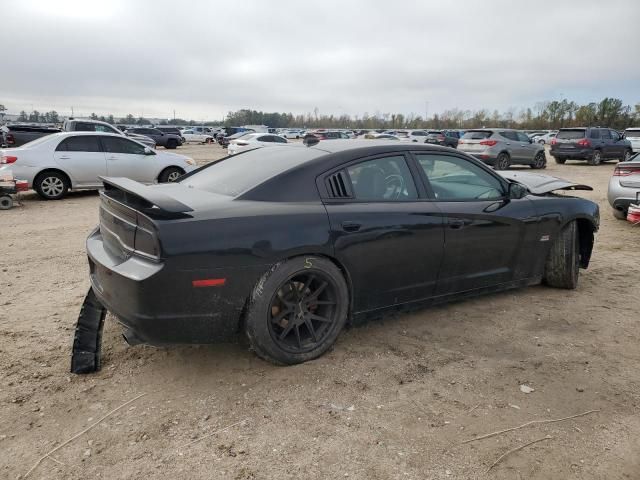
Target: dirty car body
x=405 y=224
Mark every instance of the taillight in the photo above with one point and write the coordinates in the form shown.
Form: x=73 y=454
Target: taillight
x=460 y=141
x=554 y=141
x=8 y=159
x=11 y=140
x=584 y=142
x=625 y=171
x=488 y=143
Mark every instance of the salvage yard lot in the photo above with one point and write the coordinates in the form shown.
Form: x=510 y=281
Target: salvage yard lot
x=395 y=398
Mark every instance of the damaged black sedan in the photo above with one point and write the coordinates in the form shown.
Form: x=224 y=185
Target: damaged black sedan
x=289 y=244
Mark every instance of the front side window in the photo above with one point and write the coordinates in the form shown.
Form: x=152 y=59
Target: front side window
x=606 y=134
x=280 y=139
x=383 y=180
x=455 y=179
x=81 y=143
x=122 y=145
x=266 y=138
x=522 y=137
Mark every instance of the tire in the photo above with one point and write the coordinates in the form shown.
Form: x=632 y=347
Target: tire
x=172 y=144
x=626 y=155
x=6 y=202
x=539 y=161
x=541 y=142
x=596 y=159
x=289 y=340
x=619 y=214
x=562 y=267
x=170 y=174
x=51 y=185
x=503 y=162
x=560 y=160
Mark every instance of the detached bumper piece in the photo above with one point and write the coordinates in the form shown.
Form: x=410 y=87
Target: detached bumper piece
x=87 y=342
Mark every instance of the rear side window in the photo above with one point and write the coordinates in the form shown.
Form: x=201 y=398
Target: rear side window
x=595 y=133
x=279 y=139
x=572 y=134
x=510 y=135
x=122 y=145
x=265 y=138
x=383 y=180
x=606 y=134
x=84 y=143
x=477 y=134
x=632 y=133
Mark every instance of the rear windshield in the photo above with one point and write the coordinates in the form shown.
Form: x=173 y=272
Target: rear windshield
x=240 y=173
x=571 y=134
x=632 y=133
x=477 y=134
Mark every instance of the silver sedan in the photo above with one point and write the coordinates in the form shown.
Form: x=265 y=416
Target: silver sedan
x=624 y=186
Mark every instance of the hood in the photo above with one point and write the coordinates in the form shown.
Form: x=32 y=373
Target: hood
x=540 y=184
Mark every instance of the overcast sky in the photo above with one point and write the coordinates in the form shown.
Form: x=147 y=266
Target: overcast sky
x=205 y=58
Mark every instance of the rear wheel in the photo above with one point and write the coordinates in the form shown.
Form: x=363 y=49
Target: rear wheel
x=297 y=310
x=596 y=158
x=170 y=174
x=503 y=161
x=6 y=202
x=51 y=185
x=619 y=214
x=560 y=160
x=562 y=267
x=539 y=161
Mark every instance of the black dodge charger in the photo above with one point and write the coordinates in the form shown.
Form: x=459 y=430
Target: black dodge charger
x=290 y=243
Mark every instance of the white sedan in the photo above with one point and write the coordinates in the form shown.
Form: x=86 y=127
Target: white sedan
x=253 y=140
x=74 y=160
x=292 y=133
x=199 y=137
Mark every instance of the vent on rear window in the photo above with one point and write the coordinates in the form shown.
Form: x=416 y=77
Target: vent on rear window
x=337 y=185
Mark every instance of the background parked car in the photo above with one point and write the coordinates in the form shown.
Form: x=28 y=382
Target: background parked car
x=633 y=135
x=17 y=135
x=418 y=135
x=381 y=136
x=253 y=140
x=197 y=137
x=544 y=138
x=75 y=125
x=166 y=140
x=446 y=138
x=593 y=144
x=328 y=134
x=74 y=160
x=224 y=141
x=502 y=148
x=624 y=186
x=292 y=133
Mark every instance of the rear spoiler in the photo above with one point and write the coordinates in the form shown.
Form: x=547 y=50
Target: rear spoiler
x=151 y=199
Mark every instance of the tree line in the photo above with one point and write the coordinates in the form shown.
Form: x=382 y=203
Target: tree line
x=610 y=112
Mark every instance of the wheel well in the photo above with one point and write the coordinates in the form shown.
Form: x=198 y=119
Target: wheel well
x=48 y=170
x=585 y=237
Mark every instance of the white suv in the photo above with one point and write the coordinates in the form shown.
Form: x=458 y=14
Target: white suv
x=633 y=135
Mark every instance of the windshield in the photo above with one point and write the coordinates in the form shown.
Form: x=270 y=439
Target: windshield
x=632 y=133
x=571 y=134
x=232 y=176
x=477 y=134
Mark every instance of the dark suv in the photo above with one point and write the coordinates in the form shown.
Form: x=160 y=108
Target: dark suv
x=593 y=144
x=446 y=138
x=166 y=140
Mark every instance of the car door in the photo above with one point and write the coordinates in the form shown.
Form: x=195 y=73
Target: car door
x=386 y=233
x=529 y=149
x=126 y=158
x=512 y=143
x=608 y=145
x=617 y=145
x=488 y=237
x=82 y=158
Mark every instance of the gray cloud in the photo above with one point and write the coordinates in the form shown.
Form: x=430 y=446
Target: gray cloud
x=205 y=58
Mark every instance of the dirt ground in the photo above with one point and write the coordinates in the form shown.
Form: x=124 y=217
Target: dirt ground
x=394 y=399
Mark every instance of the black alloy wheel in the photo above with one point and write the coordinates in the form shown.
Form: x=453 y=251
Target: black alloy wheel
x=303 y=311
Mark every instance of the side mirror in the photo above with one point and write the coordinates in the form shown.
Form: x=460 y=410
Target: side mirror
x=148 y=151
x=517 y=191
x=530 y=140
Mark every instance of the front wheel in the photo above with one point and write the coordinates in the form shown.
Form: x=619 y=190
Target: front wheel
x=170 y=174
x=6 y=202
x=539 y=161
x=560 y=160
x=503 y=161
x=297 y=310
x=562 y=267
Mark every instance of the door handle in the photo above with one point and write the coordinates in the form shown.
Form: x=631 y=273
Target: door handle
x=456 y=223
x=112 y=158
x=64 y=157
x=351 y=226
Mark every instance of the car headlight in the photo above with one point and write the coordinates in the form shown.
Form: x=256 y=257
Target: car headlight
x=190 y=161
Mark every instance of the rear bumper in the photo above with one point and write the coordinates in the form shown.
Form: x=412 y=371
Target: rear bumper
x=583 y=154
x=157 y=302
